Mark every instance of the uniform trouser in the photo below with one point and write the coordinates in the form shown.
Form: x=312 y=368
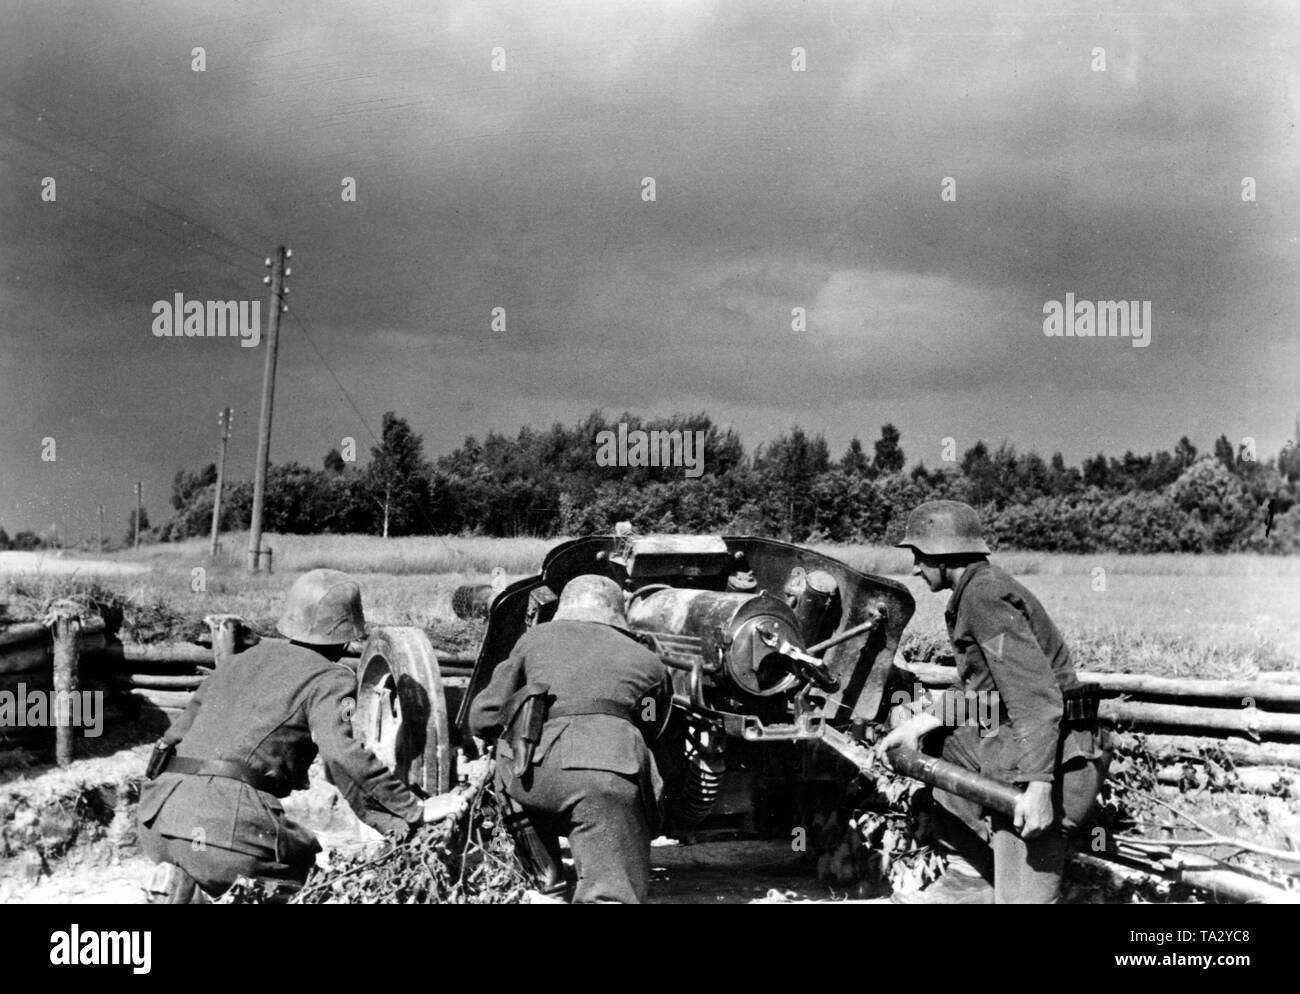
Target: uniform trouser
x=1023 y=871
x=602 y=814
x=215 y=868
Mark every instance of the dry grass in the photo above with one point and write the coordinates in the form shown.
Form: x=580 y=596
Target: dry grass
x=478 y=555
x=428 y=554
x=891 y=562
x=1177 y=615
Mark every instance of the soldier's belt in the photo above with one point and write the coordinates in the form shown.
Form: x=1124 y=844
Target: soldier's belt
x=229 y=769
x=593 y=705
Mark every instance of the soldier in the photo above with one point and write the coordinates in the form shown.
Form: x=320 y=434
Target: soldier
x=1046 y=737
x=568 y=708
x=212 y=813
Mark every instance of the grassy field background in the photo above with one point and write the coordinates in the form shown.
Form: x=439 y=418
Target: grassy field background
x=1206 y=616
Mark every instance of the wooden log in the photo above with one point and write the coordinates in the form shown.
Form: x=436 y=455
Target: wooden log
x=23 y=657
x=1242 y=752
x=1199 y=872
x=157 y=681
x=64 y=621
x=1140 y=715
x=1280 y=676
x=36 y=631
x=224 y=628
x=165 y=699
x=1145 y=716
x=160 y=653
x=1250 y=780
x=1232 y=692
x=26 y=631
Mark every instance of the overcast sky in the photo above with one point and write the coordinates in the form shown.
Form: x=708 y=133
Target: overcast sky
x=522 y=189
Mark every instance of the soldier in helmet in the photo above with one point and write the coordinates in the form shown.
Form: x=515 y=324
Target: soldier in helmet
x=569 y=708
x=1046 y=738
x=211 y=810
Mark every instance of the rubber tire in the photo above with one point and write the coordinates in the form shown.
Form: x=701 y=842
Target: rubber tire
x=401 y=713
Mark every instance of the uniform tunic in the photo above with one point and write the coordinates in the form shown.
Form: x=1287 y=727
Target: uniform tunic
x=271 y=708
x=1004 y=641
x=593 y=777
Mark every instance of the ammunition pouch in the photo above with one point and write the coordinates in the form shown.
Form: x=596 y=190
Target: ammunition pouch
x=162 y=753
x=525 y=714
x=1082 y=703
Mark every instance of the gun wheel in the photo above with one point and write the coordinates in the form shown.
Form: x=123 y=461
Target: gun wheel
x=401 y=713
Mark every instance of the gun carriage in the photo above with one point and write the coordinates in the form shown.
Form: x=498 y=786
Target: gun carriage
x=781 y=657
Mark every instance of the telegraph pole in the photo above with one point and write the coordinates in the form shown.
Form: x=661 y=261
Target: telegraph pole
x=137 y=516
x=101 y=529
x=276 y=281
x=223 y=419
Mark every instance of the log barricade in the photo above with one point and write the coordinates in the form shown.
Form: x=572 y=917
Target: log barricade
x=132 y=676
x=1258 y=710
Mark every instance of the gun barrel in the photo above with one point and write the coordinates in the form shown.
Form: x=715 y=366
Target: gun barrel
x=936 y=772
x=957 y=780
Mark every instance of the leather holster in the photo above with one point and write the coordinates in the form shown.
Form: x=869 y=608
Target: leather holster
x=159 y=758
x=525 y=714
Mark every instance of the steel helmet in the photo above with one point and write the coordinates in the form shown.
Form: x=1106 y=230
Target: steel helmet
x=944 y=528
x=592 y=598
x=323 y=608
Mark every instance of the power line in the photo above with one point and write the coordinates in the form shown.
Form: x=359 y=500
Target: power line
x=339 y=383
x=192 y=247
x=161 y=231
x=43 y=116
x=356 y=410
x=129 y=192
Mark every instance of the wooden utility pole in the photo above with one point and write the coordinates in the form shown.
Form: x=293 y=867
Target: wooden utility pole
x=223 y=419
x=137 y=516
x=276 y=281
x=101 y=529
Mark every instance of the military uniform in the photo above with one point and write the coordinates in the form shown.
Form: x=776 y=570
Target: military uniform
x=1004 y=641
x=592 y=777
x=270 y=709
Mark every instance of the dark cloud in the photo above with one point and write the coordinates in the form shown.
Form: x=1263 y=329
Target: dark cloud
x=520 y=189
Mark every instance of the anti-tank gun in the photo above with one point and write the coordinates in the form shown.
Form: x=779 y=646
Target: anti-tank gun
x=780 y=658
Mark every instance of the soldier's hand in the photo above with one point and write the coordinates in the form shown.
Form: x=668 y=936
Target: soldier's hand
x=444 y=806
x=908 y=735
x=1034 y=810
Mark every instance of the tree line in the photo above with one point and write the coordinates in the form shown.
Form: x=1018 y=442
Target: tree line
x=546 y=482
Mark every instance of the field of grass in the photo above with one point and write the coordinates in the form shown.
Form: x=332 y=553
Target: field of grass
x=431 y=554
x=424 y=554
x=1204 y=616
